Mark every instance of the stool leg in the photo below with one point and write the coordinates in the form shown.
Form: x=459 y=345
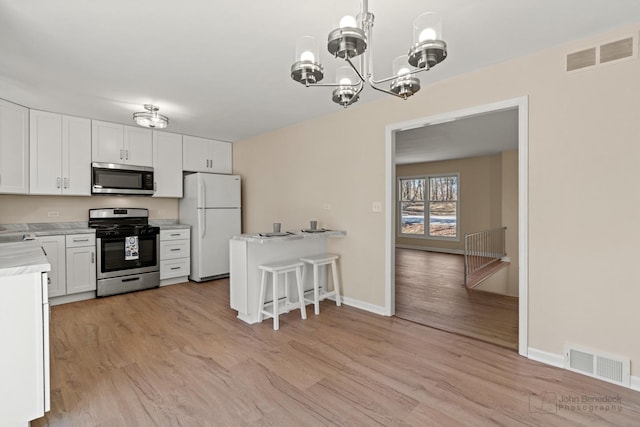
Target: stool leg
x=303 y=310
x=287 y=300
x=263 y=290
x=316 y=290
x=336 y=282
x=276 y=320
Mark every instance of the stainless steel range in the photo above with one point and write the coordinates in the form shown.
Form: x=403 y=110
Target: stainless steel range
x=128 y=250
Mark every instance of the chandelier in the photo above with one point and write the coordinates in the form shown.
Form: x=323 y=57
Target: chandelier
x=151 y=118
x=351 y=39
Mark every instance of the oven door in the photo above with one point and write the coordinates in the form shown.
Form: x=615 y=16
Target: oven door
x=113 y=262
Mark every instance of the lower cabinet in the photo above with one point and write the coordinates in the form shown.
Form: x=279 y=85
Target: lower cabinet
x=175 y=256
x=73 y=266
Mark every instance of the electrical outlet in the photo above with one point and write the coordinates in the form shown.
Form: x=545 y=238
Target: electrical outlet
x=326 y=206
x=376 y=207
x=53 y=214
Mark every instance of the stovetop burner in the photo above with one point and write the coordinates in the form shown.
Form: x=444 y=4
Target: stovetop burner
x=121 y=222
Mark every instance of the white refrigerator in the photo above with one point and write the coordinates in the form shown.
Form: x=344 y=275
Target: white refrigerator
x=211 y=206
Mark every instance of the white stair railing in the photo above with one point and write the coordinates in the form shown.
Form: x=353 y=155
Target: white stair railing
x=483 y=248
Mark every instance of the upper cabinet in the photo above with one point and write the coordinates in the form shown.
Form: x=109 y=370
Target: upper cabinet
x=14 y=148
x=120 y=144
x=60 y=154
x=205 y=155
x=167 y=164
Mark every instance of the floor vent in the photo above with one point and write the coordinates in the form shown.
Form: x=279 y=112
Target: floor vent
x=606 y=53
x=613 y=369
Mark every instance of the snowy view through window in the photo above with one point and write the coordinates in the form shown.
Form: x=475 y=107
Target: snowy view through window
x=440 y=207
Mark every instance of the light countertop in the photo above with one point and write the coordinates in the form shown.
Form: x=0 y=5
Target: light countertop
x=22 y=258
x=15 y=232
x=292 y=235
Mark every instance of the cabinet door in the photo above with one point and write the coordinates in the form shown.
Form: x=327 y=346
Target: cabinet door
x=14 y=148
x=167 y=164
x=107 y=142
x=221 y=157
x=76 y=156
x=196 y=154
x=54 y=247
x=138 y=146
x=81 y=269
x=45 y=148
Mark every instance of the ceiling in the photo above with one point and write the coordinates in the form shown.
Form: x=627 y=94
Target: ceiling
x=220 y=68
x=479 y=135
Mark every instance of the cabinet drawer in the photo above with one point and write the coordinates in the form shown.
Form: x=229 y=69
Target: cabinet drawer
x=77 y=240
x=174 y=268
x=180 y=234
x=174 y=249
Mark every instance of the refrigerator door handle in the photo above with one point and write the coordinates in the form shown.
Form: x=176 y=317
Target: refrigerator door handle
x=203 y=189
x=203 y=220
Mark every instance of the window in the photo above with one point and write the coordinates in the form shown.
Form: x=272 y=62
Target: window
x=431 y=200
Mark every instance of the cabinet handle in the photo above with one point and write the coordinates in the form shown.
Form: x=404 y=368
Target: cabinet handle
x=93 y=257
x=80 y=240
x=176 y=268
x=126 y=154
x=174 y=250
x=121 y=154
x=155 y=186
x=175 y=234
x=48 y=280
x=66 y=183
x=58 y=182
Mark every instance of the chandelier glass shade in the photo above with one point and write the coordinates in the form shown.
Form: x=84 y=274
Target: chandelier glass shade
x=151 y=118
x=352 y=40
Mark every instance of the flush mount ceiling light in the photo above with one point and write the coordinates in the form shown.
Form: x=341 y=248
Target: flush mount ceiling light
x=151 y=118
x=351 y=39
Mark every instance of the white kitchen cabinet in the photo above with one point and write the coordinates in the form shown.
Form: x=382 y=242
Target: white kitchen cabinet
x=175 y=256
x=24 y=316
x=73 y=266
x=54 y=247
x=167 y=164
x=120 y=144
x=81 y=263
x=60 y=154
x=14 y=148
x=206 y=155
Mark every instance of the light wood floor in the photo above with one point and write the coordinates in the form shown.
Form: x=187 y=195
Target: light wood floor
x=430 y=290
x=177 y=356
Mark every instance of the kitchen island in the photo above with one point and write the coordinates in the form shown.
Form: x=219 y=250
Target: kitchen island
x=248 y=251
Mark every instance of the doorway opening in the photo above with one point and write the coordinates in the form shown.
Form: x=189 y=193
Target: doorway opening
x=426 y=228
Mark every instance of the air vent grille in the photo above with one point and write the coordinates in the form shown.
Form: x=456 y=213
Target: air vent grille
x=616 y=50
x=609 y=368
x=584 y=58
x=610 y=52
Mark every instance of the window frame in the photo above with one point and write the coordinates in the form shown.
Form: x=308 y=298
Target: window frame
x=427 y=207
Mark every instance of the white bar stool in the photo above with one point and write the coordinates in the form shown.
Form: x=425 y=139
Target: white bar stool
x=277 y=268
x=330 y=260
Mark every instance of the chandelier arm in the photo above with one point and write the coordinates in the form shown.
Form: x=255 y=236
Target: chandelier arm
x=385 y=91
x=355 y=97
x=331 y=84
x=388 y=79
x=362 y=79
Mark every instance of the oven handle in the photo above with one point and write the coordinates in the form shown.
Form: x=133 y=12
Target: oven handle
x=132 y=279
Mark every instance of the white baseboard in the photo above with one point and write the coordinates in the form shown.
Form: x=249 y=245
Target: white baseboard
x=429 y=249
x=547 y=358
x=351 y=302
x=557 y=361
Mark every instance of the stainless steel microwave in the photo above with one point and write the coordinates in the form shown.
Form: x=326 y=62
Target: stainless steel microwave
x=110 y=179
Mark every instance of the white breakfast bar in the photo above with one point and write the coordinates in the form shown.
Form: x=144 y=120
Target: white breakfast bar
x=248 y=251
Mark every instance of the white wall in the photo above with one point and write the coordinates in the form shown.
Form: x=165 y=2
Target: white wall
x=583 y=201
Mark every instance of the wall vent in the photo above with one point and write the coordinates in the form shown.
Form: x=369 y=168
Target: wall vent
x=616 y=50
x=611 y=52
x=584 y=58
x=613 y=369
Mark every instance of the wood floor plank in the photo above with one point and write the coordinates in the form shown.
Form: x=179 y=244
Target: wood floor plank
x=178 y=356
x=430 y=290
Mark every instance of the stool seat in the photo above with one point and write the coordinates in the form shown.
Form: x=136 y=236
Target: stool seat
x=317 y=261
x=277 y=268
